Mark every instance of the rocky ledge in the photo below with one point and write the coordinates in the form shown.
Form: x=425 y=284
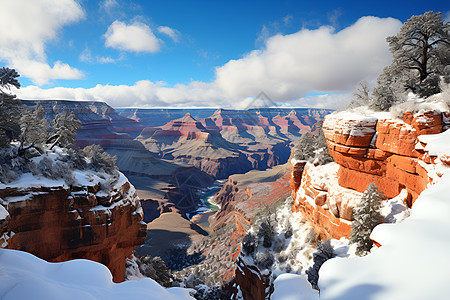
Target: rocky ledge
x=377 y=148
x=57 y=222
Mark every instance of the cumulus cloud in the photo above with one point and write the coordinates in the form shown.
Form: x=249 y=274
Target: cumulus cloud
x=26 y=27
x=291 y=66
x=136 y=37
x=287 y=69
x=143 y=93
x=170 y=32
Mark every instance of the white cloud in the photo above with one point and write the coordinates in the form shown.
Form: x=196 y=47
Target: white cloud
x=170 y=32
x=142 y=93
x=109 y=6
x=136 y=37
x=291 y=66
x=447 y=16
x=288 y=69
x=86 y=55
x=105 y=60
x=26 y=27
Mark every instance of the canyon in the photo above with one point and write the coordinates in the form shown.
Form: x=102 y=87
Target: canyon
x=167 y=164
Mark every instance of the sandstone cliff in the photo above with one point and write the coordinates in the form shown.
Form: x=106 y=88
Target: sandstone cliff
x=376 y=148
x=57 y=222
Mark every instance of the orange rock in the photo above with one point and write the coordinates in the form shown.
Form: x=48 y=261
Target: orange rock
x=429 y=122
x=59 y=224
x=377 y=167
x=396 y=137
x=395 y=161
x=296 y=175
x=404 y=163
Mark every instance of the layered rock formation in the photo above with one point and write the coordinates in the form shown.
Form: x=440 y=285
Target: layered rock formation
x=240 y=199
x=376 y=149
x=188 y=141
x=57 y=222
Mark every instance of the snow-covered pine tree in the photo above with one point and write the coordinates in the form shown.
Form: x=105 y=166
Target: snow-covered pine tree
x=8 y=78
x=304 y=149
x=365 y=217
x=421 y=55
x=64 y=129
x=324 y=252
x=100 y=160
x=33 y=129
x=10 y=107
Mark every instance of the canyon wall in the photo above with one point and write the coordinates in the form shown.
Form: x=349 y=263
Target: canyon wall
x=57 y=222
x=376 y=148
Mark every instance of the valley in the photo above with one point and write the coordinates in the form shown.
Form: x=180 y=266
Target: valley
x=179 y=158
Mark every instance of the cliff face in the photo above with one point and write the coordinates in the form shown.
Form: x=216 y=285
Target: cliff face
x=57 y=223
x=220 y=146
x=375 y=149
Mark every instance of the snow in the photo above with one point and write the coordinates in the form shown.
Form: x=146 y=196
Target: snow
x=3 y=213
x=412 y=262
x=24 y=276
x=293 y=287
x=436 y=144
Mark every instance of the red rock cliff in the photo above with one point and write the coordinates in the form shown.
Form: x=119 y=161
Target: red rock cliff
x=375 y=149
x=59 y=223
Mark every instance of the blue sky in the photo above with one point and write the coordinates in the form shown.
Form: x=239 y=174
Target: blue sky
x=205 y=53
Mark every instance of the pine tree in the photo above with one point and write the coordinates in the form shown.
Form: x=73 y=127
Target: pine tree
x=365 y=217
x=64 y=130
x=7 y=78
x=10 y=107
x=324 y=252
x=305 y=147
x=99 y=160
x=421 y=55
x=33 y=129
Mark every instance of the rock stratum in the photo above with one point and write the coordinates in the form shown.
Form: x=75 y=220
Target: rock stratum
x=377 y=148
x=57 y=222
x=230 y=141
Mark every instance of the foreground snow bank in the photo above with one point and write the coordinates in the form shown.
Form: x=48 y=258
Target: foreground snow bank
x=24 y=276
x=412 y=262
x=293 y=287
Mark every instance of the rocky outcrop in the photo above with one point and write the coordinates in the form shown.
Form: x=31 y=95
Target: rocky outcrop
x=367 y=149
x=59 y=223
x=253 y=285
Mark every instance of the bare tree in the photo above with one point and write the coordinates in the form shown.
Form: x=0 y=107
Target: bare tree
x=361 y=96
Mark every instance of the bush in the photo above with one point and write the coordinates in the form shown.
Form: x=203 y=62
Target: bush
x=266 y=231
x=264 y=260
x=249 y=243
x=324 y=252
x=156 y=269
